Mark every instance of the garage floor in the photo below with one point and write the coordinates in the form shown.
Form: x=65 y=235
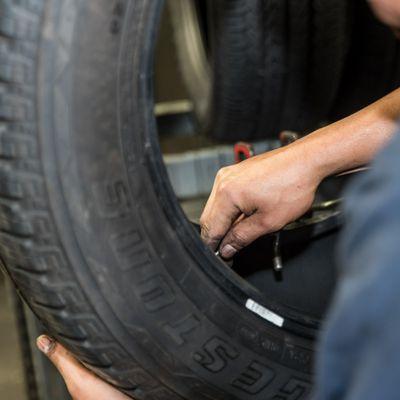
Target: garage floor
x=11 y=376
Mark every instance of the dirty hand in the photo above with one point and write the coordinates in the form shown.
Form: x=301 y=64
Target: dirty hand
x=258 y=196
x=81 y=383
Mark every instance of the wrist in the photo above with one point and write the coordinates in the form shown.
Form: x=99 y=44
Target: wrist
x=310 y=157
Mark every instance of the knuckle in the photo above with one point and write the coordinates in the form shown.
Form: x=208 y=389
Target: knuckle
x=238 y=239
x=221 y=174
x=215 y=236
x=203 y=221
x=209 y=233
x=271 y=225
x=224 y=188
x=265 y=223
x=224 y=182
x=205 y=228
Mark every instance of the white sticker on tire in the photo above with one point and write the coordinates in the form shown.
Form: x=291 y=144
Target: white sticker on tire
x=264 y=312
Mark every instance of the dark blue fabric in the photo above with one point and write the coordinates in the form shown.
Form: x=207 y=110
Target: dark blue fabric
x=359 y=357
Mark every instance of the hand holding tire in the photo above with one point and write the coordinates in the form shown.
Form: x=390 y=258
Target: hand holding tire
x=81 y=383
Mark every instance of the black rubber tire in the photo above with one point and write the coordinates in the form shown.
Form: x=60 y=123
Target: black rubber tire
x=371 y=69
x=91 y=233
x=237 y=66
x=331 y=39
x=277 y=65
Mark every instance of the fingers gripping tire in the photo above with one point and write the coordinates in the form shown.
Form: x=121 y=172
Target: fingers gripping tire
x=91 y=234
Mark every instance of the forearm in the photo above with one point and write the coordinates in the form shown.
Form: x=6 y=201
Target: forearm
x=352 y=141
x=264 y=193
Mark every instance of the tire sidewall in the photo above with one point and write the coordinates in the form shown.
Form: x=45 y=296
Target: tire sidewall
x=107 y=188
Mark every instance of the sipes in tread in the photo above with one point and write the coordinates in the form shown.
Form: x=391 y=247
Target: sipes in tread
x=28 y=242
x=277 y=65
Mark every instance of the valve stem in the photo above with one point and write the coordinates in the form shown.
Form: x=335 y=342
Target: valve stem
x=277 y=260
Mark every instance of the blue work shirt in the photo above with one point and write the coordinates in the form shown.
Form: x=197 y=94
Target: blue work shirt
x=359 y=354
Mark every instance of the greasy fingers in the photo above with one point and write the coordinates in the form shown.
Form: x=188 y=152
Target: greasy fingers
x=81 y=383
x=242 y=234
x=219 y=214
x=256 y=197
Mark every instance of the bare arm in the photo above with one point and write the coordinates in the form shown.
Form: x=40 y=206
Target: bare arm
x=264 y=193
x=353 y=141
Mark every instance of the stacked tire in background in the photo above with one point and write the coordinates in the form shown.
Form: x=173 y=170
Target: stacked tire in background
x=278 y=65
x=273 y=64
x=372 y=65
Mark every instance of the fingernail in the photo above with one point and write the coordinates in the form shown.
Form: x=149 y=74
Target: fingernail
x=228 y=251
x=45 y=344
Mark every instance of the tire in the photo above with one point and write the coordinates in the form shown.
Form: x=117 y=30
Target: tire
x=330 y=49
x=371 y=69
x=274 y=65
x=91 y=233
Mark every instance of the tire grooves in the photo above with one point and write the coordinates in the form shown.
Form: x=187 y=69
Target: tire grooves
x=34 y=257
x=274 y=61
x=368 y=73
x=237 y=32
x=277 y=65
x=331 y=42
x=295 y=113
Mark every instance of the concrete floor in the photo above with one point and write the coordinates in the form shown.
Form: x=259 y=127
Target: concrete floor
x=11 y=376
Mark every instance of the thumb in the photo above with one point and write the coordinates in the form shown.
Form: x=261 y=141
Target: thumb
x=76 y=376
x=58 y=355
x=242 y=234
x=81 y=383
